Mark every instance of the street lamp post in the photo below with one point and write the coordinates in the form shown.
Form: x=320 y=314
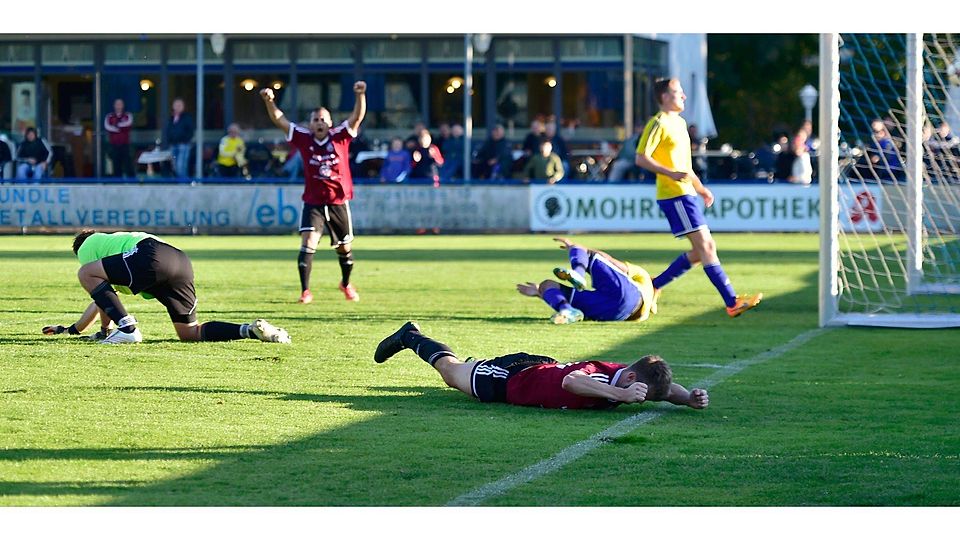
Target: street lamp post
x=808 y=98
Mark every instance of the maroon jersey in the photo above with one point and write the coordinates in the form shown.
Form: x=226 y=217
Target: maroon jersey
x=326 y=164
x=118 y=126
x=542 y=385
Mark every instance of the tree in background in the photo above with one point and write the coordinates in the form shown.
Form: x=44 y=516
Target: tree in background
x=754 y=81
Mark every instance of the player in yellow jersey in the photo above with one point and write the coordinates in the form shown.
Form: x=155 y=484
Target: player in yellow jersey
x=664 y=149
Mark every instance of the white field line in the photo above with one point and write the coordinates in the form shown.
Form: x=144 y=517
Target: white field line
x=577 y=450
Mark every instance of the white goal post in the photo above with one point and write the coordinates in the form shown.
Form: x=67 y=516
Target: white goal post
x=889 y=171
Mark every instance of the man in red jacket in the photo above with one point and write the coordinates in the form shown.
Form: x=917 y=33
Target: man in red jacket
x=118 y=125
x=539 y=381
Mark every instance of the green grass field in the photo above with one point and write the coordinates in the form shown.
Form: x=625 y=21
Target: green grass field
x=851 y=417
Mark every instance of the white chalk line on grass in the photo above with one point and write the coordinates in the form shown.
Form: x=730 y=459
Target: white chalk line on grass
x=576 y=451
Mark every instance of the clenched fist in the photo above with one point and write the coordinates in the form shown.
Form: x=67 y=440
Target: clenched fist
x=635 y=393
x=699 y=399
x=359 y=87
x=267 y=94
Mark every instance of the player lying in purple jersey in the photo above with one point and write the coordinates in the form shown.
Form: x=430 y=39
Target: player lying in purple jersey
x=621 y=291
x=539 y=381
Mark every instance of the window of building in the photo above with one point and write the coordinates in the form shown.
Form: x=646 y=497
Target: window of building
x=185 y=52
x=334 y=92
x=66 y=54
x=326 y=52
x=446 y=99
x=132 y=53
x=16 y=55
x=593 y=99
x=521 y=97
x=393 y=100
x=523 y=50
x=18 y=106
x=185 y=88
x=592 y=49
x=392 y=51
x=260 y=52
x=248 y=109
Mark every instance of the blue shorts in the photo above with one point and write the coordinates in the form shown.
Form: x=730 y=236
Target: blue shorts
x=614 y=296
x=684 y=214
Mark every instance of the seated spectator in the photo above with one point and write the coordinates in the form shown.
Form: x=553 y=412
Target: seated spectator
x=544 y=165
x=452 y=150
x=444 y=133
x=427 y=159
x=627 y=156
x=559 y=144
x=531 y=144
x=945 y=141
x=494 y=160
x=357 y=145
x=293 y=166
x=413 y=140
x=884 y=156
x=396 y=166
x=231 y=156
x=33 y=156
x=6 y=155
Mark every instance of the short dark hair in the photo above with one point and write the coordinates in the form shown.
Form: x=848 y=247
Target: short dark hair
x=80 y=238
x=660 y=87
x=655 y=373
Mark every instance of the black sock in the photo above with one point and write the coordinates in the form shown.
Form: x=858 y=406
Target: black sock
x=304 y=265
x=223 y=331
x=106 y=299
x=346 y=266
x=429 y=350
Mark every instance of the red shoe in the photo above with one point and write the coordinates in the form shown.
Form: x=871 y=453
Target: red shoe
x=306 y=297
x=350 y=292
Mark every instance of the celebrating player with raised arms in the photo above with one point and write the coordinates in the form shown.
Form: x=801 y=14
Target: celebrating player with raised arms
x=327 y=184
x=664 y=149
x=539 y=381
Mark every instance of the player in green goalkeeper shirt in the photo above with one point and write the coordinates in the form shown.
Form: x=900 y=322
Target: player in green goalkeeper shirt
x=140 y=263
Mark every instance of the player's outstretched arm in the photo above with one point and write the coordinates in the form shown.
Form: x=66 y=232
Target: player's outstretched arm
x=581 y=384
x=276 y=115
x=695 y=399
x=359 y=105
x=86 y=319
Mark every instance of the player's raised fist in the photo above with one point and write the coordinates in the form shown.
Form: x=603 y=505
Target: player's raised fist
x=267 y=94
x=359 y=87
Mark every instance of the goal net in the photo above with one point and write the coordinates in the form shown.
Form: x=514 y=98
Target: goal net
x=890 y=250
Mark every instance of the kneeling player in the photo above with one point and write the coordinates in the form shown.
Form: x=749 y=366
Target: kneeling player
x=140 y=263
x=621 y=291
x=539 y=381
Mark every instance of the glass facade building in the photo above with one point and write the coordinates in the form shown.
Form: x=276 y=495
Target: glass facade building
x=65 y=85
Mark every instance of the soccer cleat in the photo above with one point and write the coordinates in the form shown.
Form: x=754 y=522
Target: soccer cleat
x=349 y=292
x=306 y=297
x=119 y=337
x=655 y=301
x=575 y=279
x=393 y=343
x=744 y=302
x=567 y=316
x=265 y=331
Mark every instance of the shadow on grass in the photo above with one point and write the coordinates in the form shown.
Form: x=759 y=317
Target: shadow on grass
x=421 y=445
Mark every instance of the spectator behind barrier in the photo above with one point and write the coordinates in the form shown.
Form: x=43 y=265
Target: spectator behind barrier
x=118 y=124
x=544 y=165
x=396 y=166
x=427 y=159
x=178 y=135
x=452 y=150
x=33 y=156
x=494 y=160
x=231 y=155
